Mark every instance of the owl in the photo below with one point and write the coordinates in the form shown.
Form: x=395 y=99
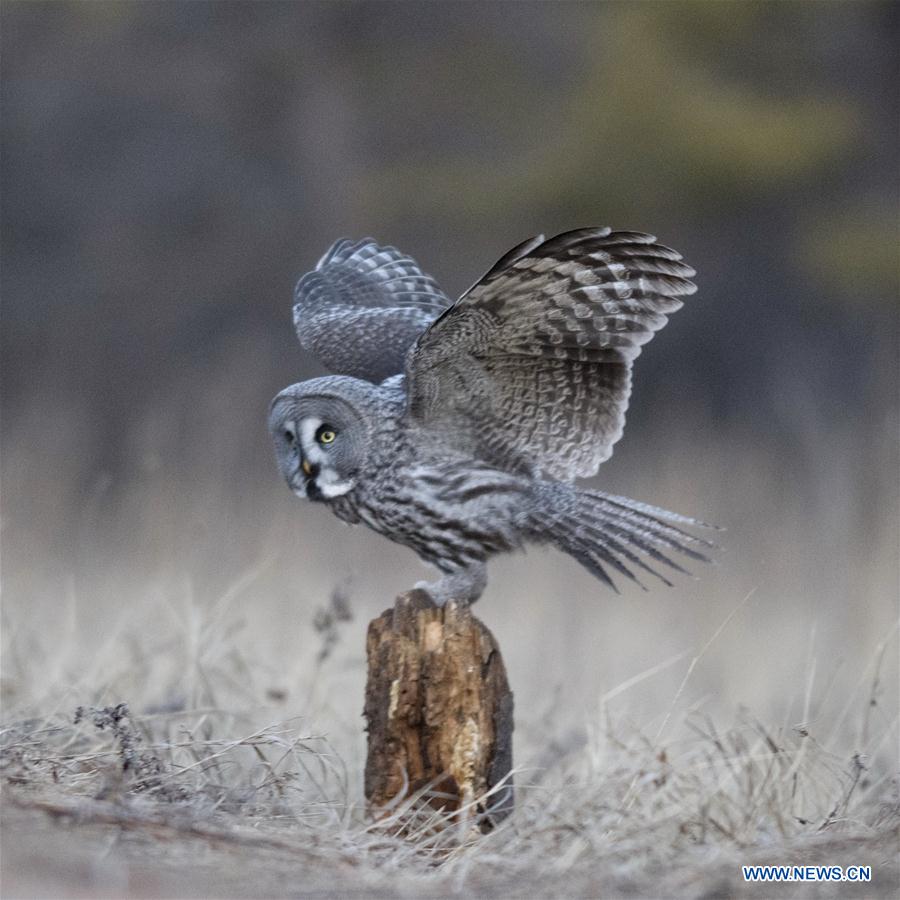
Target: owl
x=459 y=429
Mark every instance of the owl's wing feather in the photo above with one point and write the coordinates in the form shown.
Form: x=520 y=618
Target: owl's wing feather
x=531 y=367
x=362 y=308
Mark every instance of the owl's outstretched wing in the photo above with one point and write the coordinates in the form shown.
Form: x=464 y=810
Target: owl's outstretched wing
x=363 y=306
x=531 y=367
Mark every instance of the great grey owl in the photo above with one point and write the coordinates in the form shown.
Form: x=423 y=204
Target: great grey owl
x=458 y=429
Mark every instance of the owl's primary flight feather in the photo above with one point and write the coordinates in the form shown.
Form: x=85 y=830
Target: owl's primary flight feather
x=363 y=306
x=504 y=398
x=534 y=361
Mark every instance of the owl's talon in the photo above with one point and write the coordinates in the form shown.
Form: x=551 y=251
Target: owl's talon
x=463 y=586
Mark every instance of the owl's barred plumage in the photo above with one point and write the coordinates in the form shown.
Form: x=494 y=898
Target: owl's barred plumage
x=457 y=429
x=362 y=306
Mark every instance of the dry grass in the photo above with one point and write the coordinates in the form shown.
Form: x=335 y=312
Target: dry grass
x=671 y=807
x=662 y=740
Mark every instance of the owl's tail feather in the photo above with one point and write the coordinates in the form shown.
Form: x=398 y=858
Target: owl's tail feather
x=605 y=532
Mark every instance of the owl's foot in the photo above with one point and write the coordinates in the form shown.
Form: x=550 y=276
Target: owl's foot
x=465 y=585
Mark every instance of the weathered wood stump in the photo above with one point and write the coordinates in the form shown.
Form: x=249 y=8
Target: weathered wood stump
x=438 y=711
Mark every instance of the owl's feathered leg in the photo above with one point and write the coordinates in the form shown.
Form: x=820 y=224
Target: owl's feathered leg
x=464 y=584
x=607 y=533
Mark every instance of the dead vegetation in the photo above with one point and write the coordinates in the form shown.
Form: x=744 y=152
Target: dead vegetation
x=219 y=749
x=674 y=808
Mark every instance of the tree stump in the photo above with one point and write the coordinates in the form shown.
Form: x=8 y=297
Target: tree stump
x=438 y=711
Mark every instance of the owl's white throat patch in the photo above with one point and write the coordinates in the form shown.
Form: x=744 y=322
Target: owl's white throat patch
x=331 y=486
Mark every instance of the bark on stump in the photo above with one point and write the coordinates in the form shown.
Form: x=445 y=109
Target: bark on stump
x=438 y=710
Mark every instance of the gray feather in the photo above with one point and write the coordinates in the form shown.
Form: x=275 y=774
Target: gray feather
x=362 y=308
x=532 y=365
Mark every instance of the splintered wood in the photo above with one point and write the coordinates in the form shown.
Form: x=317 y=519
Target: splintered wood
x=438 y=711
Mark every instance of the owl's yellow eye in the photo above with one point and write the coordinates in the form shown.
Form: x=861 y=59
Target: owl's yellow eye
x=326 y=435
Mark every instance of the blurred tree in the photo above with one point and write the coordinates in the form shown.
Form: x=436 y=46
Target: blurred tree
x=169 y=169
x=853 y=253
x=680 y=110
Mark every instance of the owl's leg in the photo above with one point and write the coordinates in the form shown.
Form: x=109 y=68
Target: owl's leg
x=464 y=584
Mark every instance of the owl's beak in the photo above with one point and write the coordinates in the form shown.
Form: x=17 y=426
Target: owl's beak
x=310 y=489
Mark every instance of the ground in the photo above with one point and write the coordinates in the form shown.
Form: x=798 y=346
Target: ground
x=102 y=802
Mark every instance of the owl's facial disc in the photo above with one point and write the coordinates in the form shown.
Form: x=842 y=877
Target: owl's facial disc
x=320 y=441
x=320 y=453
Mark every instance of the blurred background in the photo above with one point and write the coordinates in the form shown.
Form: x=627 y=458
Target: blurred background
x=170 y=169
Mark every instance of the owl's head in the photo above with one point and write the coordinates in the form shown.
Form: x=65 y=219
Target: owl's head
x=321 y=436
